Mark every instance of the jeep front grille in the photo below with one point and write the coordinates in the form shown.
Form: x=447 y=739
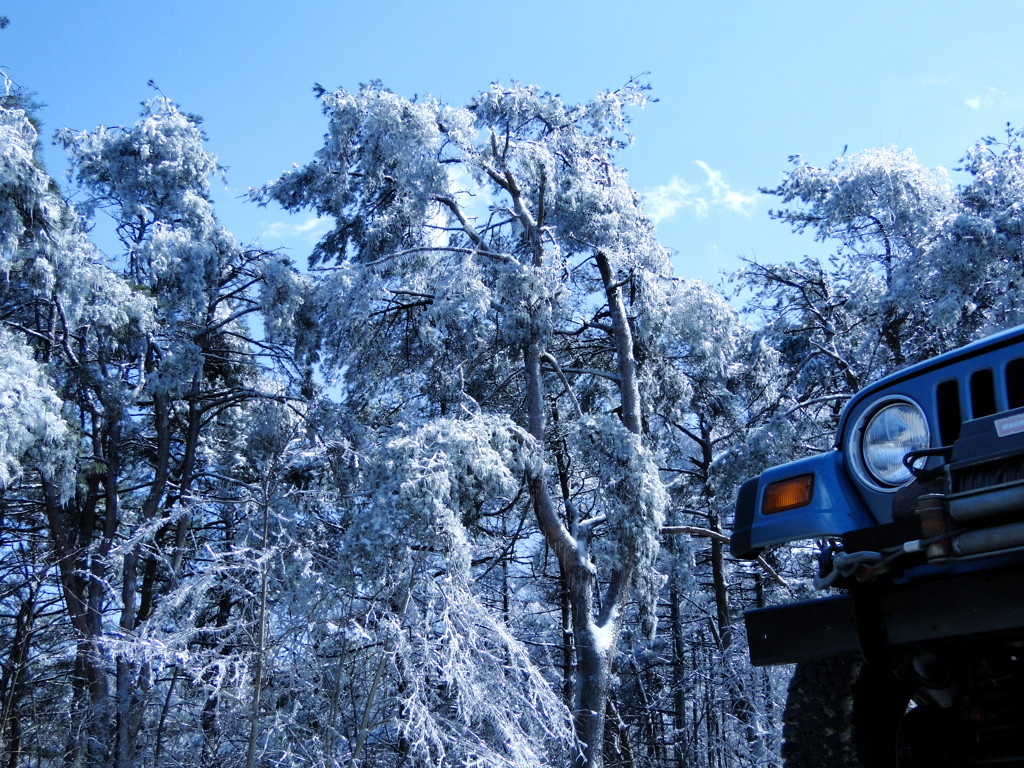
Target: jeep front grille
x=976 y=394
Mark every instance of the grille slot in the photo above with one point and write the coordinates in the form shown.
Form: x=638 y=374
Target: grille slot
x=947 y=397
x=1015 y=383
x=983 y=393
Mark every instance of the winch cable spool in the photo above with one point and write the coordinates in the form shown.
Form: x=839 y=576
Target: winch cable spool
x=993 y=473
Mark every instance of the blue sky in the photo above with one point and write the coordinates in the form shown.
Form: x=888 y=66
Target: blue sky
x=740 y=86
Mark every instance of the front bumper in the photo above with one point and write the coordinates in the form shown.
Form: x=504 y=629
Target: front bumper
x=974 y=605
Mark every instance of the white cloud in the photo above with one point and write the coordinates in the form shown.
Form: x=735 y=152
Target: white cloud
x=665 y=201
x=306 y=231
x=988 y=98
x=313 y=224
x=724 y=195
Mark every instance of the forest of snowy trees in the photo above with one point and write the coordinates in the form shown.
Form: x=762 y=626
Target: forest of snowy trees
x=454 y=489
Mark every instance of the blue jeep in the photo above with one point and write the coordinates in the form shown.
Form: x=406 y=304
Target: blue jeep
x=916 y=656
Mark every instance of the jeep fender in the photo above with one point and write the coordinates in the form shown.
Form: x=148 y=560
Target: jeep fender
x=832 y=509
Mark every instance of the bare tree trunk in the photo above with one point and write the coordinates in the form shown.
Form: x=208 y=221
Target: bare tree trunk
x=261 y=637
x=629 y=388
x=14 y=684
x=132 y=678
x=723 y=610
x=79 y=569
x=568 y=652
x=208 y=718
x=678 y=676
x=593 y=670
x=159 y=735
x=399 y=608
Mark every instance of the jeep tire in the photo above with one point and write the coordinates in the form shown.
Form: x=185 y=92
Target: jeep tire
x=843 y=713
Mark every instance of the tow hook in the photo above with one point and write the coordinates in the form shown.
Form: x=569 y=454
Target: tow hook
x=834 y=564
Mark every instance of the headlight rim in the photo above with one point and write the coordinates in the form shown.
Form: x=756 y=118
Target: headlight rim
x=856 y=449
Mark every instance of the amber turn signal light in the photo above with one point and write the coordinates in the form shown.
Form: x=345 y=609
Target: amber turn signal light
x=788 y=494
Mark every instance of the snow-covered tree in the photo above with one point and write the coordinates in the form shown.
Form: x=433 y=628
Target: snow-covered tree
x=121 y=380
x=976 y=264
x=868 y=309
x=483 y=273
x=84 y=327
x=920 y=265
x=196 y=374
x=719 y=419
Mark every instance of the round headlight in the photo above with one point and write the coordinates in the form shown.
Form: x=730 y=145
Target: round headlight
x=890 y=434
